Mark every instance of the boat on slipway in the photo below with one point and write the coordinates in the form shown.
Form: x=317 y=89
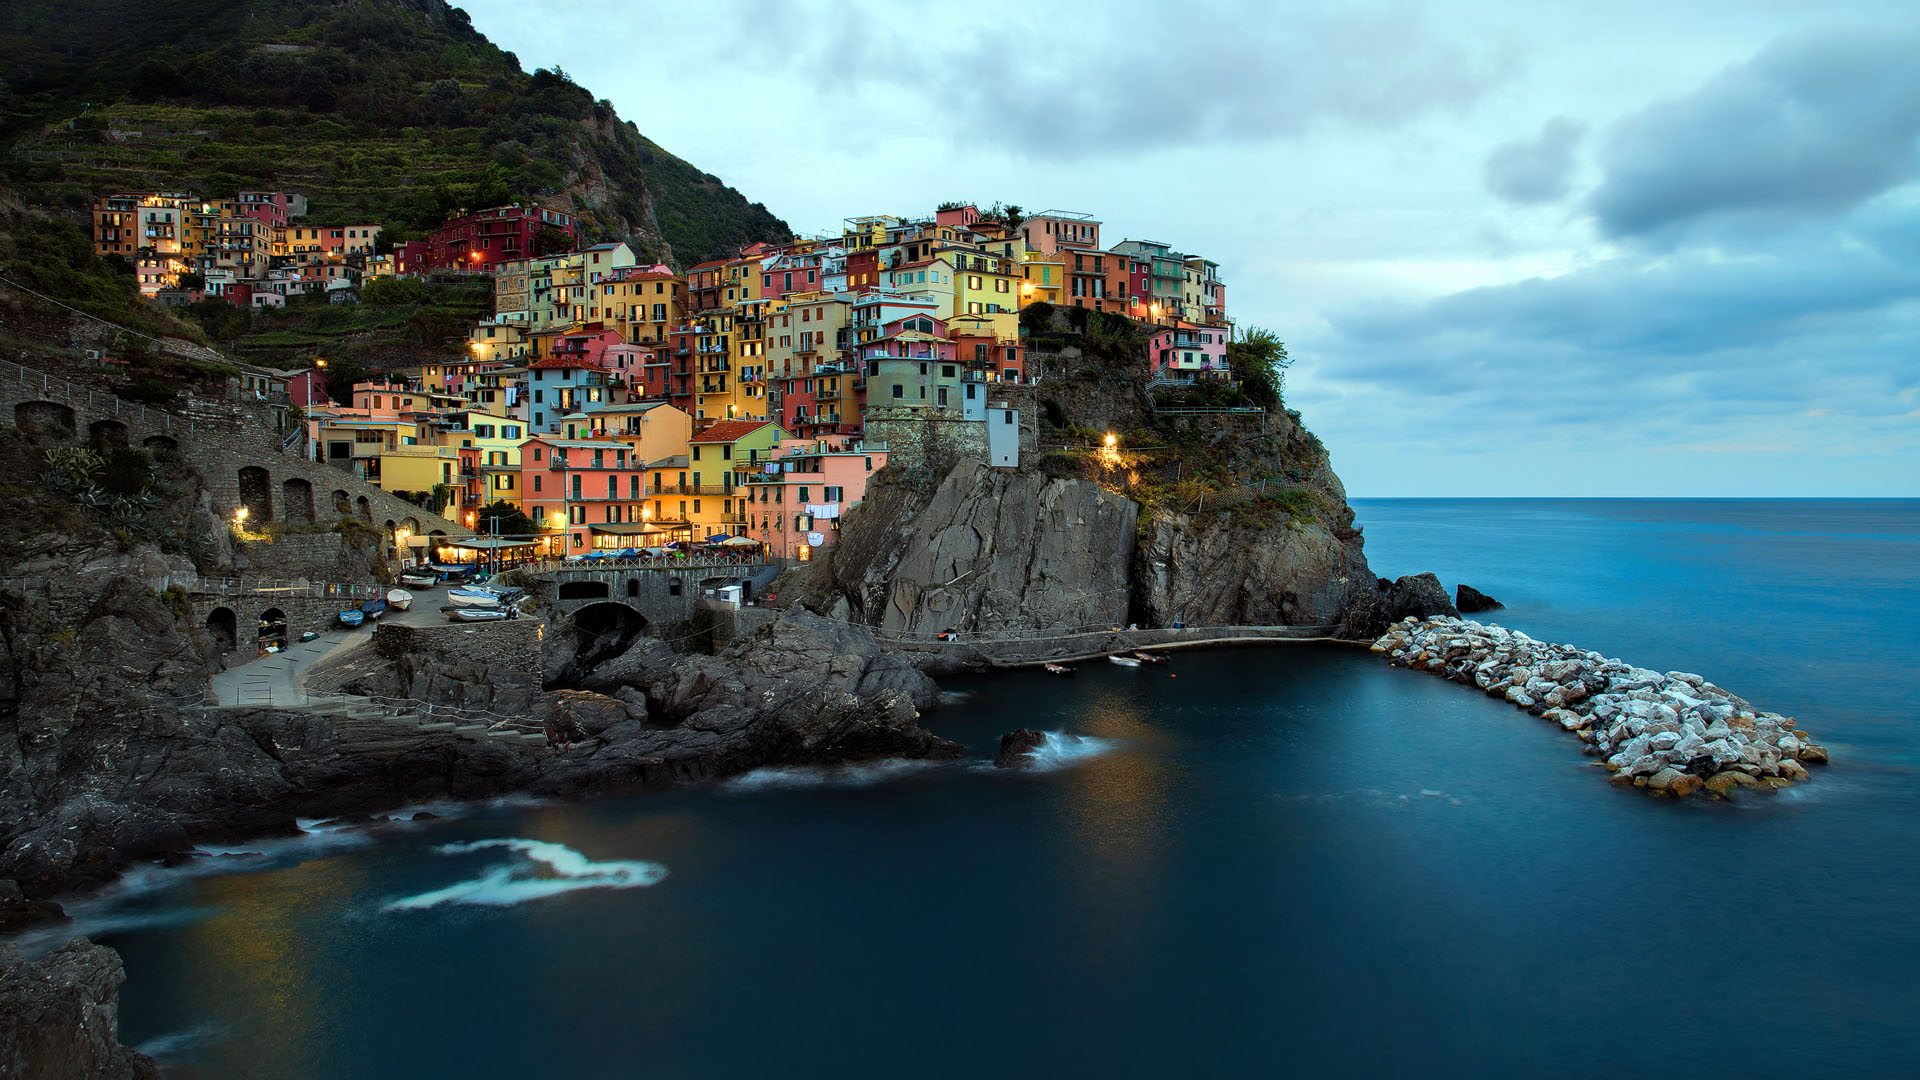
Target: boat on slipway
x=399 y=599
x=352 y=617
x=477 y=614
x=374 y=608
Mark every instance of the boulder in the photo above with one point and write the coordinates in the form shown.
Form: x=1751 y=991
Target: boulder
x=1017 y=746
x=1471 y=600
x=1420 y=595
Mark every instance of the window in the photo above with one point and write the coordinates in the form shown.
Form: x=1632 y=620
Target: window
x=943 y=395
x=696 y=506
x=536 y=453
x=946 y=371
x=898 y=390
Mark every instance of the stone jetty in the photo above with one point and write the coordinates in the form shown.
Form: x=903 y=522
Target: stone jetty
x=1672 y=733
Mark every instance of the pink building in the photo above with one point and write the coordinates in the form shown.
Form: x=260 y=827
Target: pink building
x=795 y=501
x=308 y=388
x=591 y=489
x=1187 y=353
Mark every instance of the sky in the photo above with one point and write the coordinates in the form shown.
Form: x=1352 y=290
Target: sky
x=1515 y=249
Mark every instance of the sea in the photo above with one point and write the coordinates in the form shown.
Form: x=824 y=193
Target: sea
x=1281 y=860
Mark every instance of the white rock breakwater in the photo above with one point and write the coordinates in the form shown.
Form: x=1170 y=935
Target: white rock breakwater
x=1673 y=734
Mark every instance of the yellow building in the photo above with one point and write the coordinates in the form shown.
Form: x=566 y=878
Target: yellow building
x=717 y=461
x=498 y=341
x=984 y=284
x=644 y=304
x=1043 y=277
x=653 y=429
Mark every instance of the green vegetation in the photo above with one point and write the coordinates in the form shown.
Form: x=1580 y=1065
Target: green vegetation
x=393 y=113
x=1259 y=360
x=55 y=257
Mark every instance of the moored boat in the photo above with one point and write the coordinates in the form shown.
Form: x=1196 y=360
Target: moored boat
x=399 y=599
x=1148 y=657
x=1061 y=670
x=352 y=617
x=1124 y=661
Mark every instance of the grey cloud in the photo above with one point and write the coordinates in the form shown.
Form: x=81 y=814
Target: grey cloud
x=1536 y=169
x=1813 y=125
x=1149 y=76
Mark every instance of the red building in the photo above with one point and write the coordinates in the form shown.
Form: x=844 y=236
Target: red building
x=480 y=240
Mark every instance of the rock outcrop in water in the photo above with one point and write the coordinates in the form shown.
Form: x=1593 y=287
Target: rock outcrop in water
x=60 y=1016
x=1673 y=733
x=1472 y=601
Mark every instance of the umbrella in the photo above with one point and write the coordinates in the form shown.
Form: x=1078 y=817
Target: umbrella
x=739 y=541
x=719 y=538
x=596 y=555
x=627 y=553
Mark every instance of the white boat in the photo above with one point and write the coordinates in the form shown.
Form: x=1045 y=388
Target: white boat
x=472 y=596
x=474 y=614
x=399 y=599
x=419 y=579
x=1124 y=661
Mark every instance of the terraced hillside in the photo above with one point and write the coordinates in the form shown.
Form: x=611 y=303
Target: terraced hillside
x=391 y=111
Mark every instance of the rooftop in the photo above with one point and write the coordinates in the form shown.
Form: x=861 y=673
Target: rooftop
x=727 y=431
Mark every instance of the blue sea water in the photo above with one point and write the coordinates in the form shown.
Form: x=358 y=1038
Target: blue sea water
x=1251 y=862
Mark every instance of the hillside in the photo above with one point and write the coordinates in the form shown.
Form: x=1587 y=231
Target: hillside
x=390 y=111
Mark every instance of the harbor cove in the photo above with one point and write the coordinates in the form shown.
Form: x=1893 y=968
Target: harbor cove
x=1135 y=540
x=1252 y=859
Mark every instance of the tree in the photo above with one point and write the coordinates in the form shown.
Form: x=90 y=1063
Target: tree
x=1259 y=360
x=504 y=519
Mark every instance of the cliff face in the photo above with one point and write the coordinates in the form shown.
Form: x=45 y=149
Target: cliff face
x=60 y=1016
x=1060 y=544
x=988 y=550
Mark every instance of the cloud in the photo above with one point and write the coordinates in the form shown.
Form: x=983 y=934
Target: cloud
x=1813 y=125
x=1147 y=76
x=1537 y=169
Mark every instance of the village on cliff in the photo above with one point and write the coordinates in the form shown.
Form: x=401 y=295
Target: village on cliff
x=624 y=406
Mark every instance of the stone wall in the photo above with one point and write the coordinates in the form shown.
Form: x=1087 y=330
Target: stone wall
x=317 y=556
x=220 y=439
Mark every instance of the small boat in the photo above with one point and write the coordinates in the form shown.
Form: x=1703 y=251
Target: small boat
x=1061 y=670
x=399 y=599
x=374 y=608
x=1124 y=661
x=419 y=579
x=309 y=635
x=472 y=596
x=1149 y=657
x=474 y=614
x=352 y=617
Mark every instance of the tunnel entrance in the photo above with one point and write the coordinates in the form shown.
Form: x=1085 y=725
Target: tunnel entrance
x=602 y=632
x=224 y=627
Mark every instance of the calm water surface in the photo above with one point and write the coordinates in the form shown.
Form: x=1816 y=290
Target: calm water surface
x=1256 y=861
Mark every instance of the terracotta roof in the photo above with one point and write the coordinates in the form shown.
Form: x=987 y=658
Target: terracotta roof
x=727 y=431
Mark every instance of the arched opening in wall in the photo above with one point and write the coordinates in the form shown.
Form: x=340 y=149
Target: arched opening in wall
x=161 y=446
x=391 y=529
x=436 y=540
x=602 y=632
x=296 y=501
x=366 y=509
x=224 y=628
x=342 y=505
x=633 y=587
x=673 y=586
x=44 y=419
x=256 y=493
x=107 y=433
x=273 y=630
x=583 y=590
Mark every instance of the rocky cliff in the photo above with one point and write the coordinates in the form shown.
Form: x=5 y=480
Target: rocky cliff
x=60 y=1017
x=989 y=550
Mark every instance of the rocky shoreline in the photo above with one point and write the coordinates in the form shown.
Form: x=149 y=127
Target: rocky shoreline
x=1672 y=734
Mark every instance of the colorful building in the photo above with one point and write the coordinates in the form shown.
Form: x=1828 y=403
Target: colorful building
x=794 y=502
x=587 y=490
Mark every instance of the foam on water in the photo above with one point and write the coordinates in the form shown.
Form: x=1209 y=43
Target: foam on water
x=508 y=884
x=1060 y=749
x=867 y=774
x=174 y=1044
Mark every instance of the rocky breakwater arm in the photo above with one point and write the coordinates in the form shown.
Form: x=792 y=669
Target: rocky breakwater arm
x=1673 y=734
